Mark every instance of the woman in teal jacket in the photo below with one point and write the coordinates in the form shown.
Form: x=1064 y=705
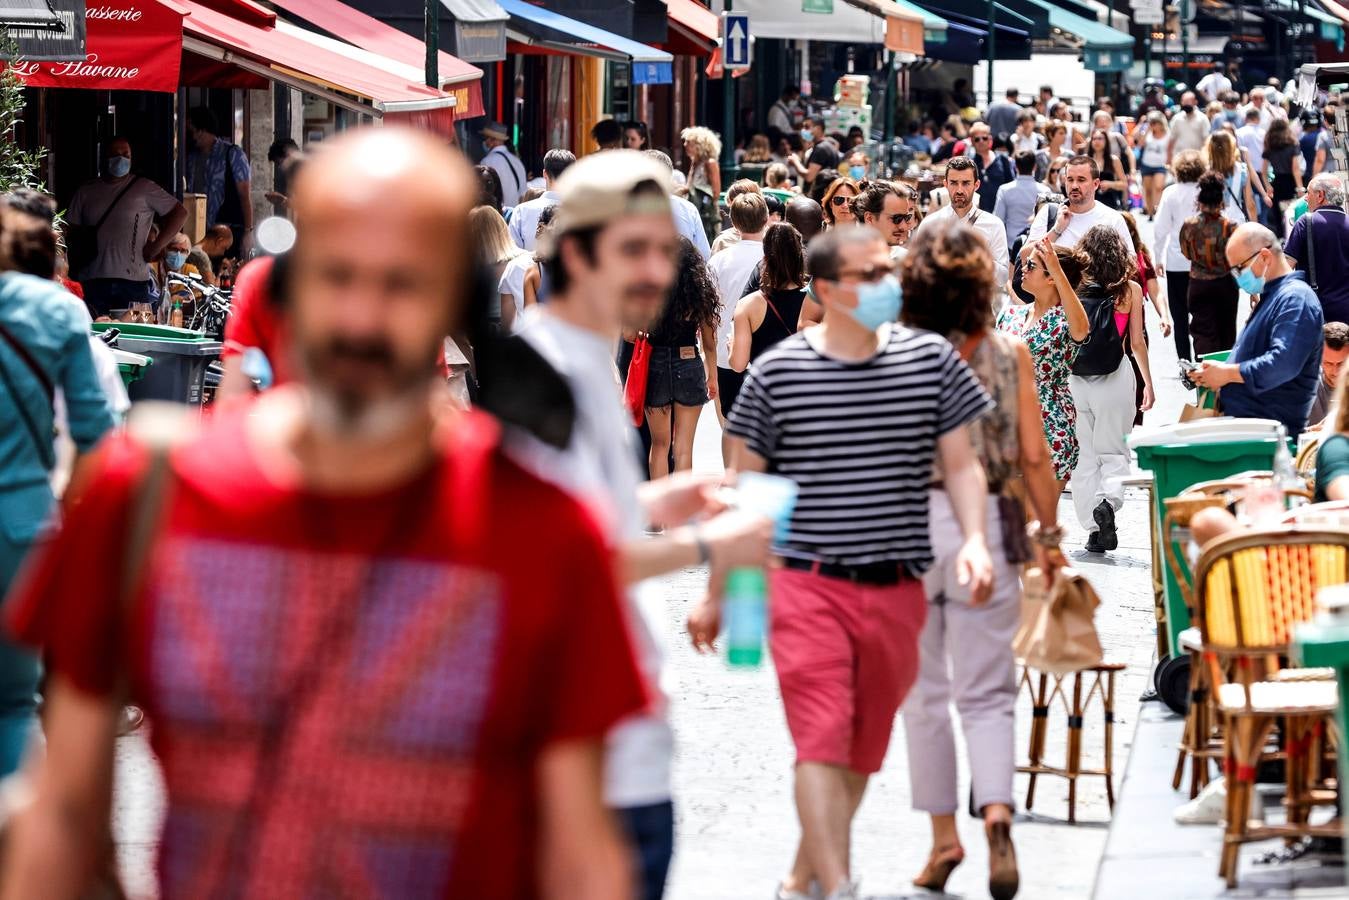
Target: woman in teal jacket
x=44 y=347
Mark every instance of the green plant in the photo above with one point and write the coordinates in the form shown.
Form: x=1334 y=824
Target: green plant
x=18 y=167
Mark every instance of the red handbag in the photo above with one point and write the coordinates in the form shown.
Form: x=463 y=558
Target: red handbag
x=634 y=387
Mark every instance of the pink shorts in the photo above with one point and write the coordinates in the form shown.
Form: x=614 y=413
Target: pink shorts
x=846 y=656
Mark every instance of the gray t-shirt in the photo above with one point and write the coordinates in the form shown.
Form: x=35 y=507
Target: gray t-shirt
x=122 y=239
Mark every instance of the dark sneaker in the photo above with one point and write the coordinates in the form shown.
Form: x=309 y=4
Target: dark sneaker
x=1094 y=543
x=1104 y=514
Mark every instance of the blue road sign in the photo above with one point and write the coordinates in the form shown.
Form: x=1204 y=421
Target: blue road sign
x=735 y=40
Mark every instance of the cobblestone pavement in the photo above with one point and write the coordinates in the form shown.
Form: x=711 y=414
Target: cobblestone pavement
x=737 y=827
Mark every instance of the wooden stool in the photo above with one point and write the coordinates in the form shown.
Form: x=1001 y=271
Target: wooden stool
x=1042 y=693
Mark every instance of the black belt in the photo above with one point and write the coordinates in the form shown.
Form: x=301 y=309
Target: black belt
x=876 y=574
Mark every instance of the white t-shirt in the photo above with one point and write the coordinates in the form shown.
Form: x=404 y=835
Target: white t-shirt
x=1079 y=224
x=510 y=171
x=1154 y=151
x=513 y=280
x=988 y=225
x=1252 y=140
x=599 y=467
x=731 y=269
x=1189 y=132
x=122 y=239
x=1214 y=85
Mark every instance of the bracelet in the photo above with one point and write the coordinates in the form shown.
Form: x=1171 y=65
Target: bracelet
x=1049 y=537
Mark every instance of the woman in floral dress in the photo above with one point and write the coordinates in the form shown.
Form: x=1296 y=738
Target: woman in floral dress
x=1053 y=327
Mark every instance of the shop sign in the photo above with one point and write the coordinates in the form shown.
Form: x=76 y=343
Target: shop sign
x=1107 y=60
x=824 y=7
x=130 y=45
x=480 y=41
x=66 y=43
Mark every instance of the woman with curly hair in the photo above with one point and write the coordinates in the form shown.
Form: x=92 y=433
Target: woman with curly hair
x=1103 y=383
x=773 y=312
x=1213 y=294
x=681 y=379
x=948 y=284
x=837 y=203
x=702 y=147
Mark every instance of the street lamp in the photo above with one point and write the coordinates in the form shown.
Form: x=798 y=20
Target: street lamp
x=727 y=113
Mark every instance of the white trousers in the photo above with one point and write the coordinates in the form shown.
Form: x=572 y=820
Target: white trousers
x=965 y=657
x=1105 y=416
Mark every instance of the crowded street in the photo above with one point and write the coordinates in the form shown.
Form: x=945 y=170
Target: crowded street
x=691 y=449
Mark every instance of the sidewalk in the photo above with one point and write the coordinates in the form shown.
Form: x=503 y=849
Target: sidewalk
x=1148 y=855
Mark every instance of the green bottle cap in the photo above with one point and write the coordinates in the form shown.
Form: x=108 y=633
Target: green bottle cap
x=746 y=581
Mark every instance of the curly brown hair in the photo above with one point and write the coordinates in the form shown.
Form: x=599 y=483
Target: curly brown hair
x=693 y=296
x=1109 y=262
x=947 y=278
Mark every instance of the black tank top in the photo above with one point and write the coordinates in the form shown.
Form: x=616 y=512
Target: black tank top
x=779 y=325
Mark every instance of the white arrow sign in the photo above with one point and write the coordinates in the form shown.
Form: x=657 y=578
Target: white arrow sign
x=735 y=41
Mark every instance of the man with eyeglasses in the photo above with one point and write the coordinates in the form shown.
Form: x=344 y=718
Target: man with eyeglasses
x=991 y=168
x=962 y=183
x=854 y=410
x=1273 y=369
x=889 y=208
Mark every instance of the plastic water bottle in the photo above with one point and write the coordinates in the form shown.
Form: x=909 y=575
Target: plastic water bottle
x=1285 y=471
x=746 y=606
x=746 y=599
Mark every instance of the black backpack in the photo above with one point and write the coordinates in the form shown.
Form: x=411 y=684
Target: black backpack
x=1104 y=350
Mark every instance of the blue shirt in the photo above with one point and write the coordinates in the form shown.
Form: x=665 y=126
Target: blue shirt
x=42 y=318
x=999 y=172
x=1279 y=356
x=1015 y=205
x=206 y=175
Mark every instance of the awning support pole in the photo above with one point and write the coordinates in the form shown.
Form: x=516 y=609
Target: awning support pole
x=992 y=46
x=433 y=43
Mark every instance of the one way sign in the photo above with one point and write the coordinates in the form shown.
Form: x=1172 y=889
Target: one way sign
x=735 y=40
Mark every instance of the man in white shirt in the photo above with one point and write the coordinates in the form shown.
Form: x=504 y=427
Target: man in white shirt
x=1081 y=178
x=619 y=279
x=731 y=269
x=1251 y=138
x=686 y=217
x=510 y=170
x=961 y=185
x=1262 y=101
x=1178 y=203
x=1189 y=127
x=1213 y=85
x=525 y=217
x=780 y=113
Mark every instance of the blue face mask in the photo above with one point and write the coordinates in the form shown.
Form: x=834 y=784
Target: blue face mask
x=857 y=173
x=877 y=303
x=1249 y=282
x=119 y=166
x=807 y=135
x=175 y=259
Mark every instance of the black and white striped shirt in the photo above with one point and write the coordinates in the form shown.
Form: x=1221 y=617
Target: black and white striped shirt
x=859 y=439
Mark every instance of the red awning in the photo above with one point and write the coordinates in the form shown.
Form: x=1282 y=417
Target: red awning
x=457 y=77
x=131 y=45
x=695 y=24
x=309 y=62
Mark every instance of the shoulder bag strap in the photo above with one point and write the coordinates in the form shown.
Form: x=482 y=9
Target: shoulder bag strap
x=971 y=344
x=769 y=301
x=1311 y=253
x=115 y=200
x=26 y=357
x=45 y=451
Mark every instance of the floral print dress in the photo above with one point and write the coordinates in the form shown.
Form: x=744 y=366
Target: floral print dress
x=1053 y=352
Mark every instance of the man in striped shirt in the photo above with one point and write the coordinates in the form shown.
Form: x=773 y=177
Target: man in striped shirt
x=854 y=410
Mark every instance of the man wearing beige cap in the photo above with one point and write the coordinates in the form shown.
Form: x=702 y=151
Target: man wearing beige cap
x=611 y=260
x=508 y=167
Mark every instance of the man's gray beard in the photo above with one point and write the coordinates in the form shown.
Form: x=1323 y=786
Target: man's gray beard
x=352 y=418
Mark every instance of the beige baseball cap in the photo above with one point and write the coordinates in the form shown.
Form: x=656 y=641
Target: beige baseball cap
x=603 y=186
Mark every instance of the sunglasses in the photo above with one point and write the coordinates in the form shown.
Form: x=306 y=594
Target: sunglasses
x=839 y=199
x=901 y=217
x=981 y=138
x=1030 y=266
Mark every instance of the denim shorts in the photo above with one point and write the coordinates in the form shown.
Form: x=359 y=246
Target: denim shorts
x=1152 y=170
x=675 y=379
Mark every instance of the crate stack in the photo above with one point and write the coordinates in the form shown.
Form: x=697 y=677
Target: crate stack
x=851 y=93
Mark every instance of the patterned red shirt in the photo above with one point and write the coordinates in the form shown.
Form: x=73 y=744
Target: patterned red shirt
x=348 y=693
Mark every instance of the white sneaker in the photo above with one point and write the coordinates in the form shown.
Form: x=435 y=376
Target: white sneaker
x=784 y=894
x=1206 y=809
x=846 y=890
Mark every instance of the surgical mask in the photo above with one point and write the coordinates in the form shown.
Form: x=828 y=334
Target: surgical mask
x=857 y=173
x=175 y=259
x=807 y=135
x=1249 y=282
x=1187 y=108
x=877 y=303
x=118 y=166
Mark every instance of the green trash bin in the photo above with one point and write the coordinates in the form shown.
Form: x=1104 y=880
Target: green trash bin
x=131 y=366
x=1183 y=455
x=180 y=357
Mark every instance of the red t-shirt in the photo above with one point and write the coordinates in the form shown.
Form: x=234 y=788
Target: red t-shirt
x=348 y=693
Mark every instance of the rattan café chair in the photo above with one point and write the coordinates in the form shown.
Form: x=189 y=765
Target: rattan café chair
x=1251 y=589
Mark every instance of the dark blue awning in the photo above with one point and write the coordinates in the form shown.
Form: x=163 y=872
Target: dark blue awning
x=536 y=25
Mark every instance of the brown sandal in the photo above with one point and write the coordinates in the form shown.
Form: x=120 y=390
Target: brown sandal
x=940 y=865
x=1003 y=879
